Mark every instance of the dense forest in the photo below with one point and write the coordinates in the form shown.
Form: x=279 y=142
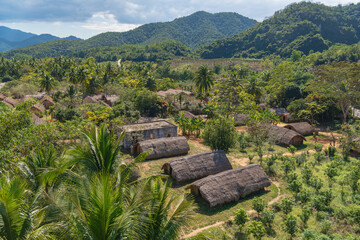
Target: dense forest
x=301 y=26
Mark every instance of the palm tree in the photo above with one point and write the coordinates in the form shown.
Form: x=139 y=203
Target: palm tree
x=18 y=214
x=47 y=83
x=36 y=165
x=99 y=152
x=105 y=208
x=168 y=213
x=253 y=87
x=204 y=79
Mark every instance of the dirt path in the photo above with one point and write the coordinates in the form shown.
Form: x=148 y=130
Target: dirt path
x=249 y=212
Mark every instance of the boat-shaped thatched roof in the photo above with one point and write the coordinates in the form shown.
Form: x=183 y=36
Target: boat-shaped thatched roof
x=304 y=128
x=173 y=92
x=90 y=99
x=10 y=101
x=164 y=147
x=285 y=137
x=197 y=166
x=2 y=96
x=38 y=107
x=231 y=185
x=47 y=101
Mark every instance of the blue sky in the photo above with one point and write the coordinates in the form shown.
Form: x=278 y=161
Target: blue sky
x=88 y=18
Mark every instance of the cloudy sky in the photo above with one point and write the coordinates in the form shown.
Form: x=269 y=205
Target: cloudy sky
x=87 y=18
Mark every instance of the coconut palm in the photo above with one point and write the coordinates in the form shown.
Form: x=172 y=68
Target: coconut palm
x=35 y=165
x=168 y=213
x=104 y=208
x=47 y=83
x=18 y=211
x=204 y=79
x=98 y=153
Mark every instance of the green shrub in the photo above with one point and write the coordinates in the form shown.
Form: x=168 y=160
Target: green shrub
x=219 y=134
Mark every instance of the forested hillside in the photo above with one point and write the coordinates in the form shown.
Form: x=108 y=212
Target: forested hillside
x=198 y=29
x=13 y=39
x=302 y=26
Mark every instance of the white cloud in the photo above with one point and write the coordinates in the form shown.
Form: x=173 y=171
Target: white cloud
x=105 y=21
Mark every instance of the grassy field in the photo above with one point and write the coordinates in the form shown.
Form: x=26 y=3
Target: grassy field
x=216 y=223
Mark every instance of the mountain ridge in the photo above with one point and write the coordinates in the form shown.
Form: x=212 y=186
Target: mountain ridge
x=14 y=38
x=303 y=26
x=199 y=28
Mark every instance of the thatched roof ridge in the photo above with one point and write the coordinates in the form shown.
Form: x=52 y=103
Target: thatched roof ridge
x=283 y=136
x=2 y=96
x=36 y=119
x=304 y=128
x=231 y=185
x=173 y=92
x=278 y=111
x=147 y=126
x=164 y=147
x=38 y=107
x=48 y=101
x=90 y=99
x=10 y=101
x=197 y=166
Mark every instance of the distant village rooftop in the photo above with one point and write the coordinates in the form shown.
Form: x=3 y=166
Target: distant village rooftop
x=146 y=126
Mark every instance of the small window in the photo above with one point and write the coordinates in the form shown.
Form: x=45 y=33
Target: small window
x=168 y=134
x=151 y=136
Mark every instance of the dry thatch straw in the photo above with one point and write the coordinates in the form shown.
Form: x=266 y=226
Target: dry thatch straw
x=164 y=147
x=284 y=137
x=304 y=128
x=241 y=119
x=47 y=101
x=231 y=185
x=197 y=166
x=10 y=101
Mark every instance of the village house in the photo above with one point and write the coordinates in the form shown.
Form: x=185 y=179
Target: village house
x=197 y=166
x=231 y=185
x=163 y=147
x=137 y=132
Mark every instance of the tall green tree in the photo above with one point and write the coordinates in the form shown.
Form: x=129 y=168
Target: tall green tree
x=47 y=83
x=204 y=79
x=340 y=82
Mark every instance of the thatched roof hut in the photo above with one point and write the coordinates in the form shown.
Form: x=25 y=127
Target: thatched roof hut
x=36 y=119
x=304 y=128
x=241 y=119
x=164 y=147
x=197 y=166
x=90 y=99
x=37 y=108
x=231 y=185
x=110 y=99
x=10 y=101
x=47 y=101
x=285 y=137
x=2 y=96
x=173 y=92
